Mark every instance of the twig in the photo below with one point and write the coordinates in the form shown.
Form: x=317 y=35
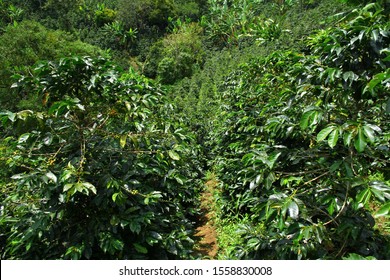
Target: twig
x=316 y=178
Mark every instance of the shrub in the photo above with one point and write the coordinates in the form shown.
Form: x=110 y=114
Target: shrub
x=109 y=175
x=177 y=54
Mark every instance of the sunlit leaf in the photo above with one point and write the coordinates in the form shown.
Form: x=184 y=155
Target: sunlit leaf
x=272 y=159
x=23 y=138
x=383 y=211
x=122 y=140
x=67 y=187
x=114 y=196
x=363 y=198
x=333 y=138
x=48 y=139
x=51 y=176
x=293 y=210
x=324 y=133
x=173 y=155
x=369 y=133
x=90 y=187
x=24 y=114
x=348 y=136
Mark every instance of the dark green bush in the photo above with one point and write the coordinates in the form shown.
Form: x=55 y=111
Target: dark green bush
x=146 y=14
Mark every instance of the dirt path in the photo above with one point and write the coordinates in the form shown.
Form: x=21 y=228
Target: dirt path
x=207 y=246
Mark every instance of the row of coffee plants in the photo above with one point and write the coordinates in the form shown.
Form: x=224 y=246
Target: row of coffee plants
x=303 y=145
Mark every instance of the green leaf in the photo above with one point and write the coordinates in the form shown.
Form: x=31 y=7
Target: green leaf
x=269 y=180
x=355 y=257
x=351 y=76
x=332 y=206
x=24 y=114
x=333 y=138
x=156 y=235
x=335 y=166
x=114 y=196
x=374 y=127
x=23 y=138
x=180 y=179
x=383 y=211
x=360 y=141
x=90 y=187
x=135 y=227
x=375 y=35
x=380 y=190
x=66 y=175
x=318 y=230
x=19 y=176
x=67 y=187
x=272 y=159
x=78 y=187
x=140 y=249
x=248 y=158
x=378 y=194
x=363 y=197
x=173 y=155
x=348 y=170
x=253 y=242
x=308 y=119
x=369 y=133
x=122 y=140
x=306 y=232
x=48 y=139
x=347 y=138
x=281 y=222
x=55 y=108
x=128 y=105
x=51 y=176
x=11 y=116
x=324 y=133
x=377 y=79
x=293 y=209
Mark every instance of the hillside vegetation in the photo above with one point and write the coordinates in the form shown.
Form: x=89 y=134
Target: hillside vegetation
x=117 y=115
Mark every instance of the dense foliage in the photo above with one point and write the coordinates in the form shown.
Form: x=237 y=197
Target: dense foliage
x=99 y=171
x=305 y=144
x=28 y=42
x=113 y=111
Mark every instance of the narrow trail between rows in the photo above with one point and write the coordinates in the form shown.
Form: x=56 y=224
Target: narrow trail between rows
x=207 y=245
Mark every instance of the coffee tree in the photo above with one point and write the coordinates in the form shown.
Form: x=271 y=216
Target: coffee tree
x=102 y=171
x=304 y=145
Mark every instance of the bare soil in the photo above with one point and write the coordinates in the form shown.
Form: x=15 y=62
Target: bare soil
x=207 y=245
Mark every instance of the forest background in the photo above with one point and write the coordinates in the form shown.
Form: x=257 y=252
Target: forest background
x=117 y=116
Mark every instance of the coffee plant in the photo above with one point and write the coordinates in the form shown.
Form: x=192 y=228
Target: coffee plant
x=303 y=148
x=102 y=171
